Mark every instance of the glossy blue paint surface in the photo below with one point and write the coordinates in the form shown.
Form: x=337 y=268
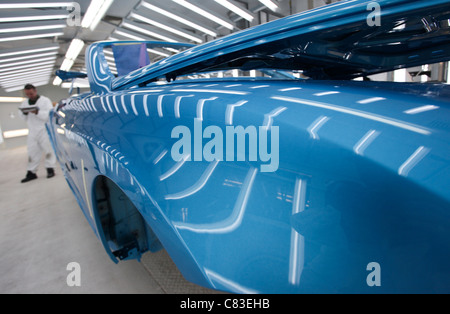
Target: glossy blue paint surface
x=363 y=177
x=358 y=183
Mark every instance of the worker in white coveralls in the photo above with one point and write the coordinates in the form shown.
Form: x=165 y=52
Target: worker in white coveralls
x=35 y=111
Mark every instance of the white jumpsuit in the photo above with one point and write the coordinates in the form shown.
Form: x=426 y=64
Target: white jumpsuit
x=38 y=139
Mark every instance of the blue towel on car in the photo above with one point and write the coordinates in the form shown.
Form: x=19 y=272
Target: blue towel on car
x=130 y=57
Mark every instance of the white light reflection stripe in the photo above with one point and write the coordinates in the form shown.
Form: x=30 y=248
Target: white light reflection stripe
x=421 y=109
x=227 y=283
x=361 y=146
x=316 y=125
x=210 y=91
x=175 y=168
x=133 y=105
x=326 y=94
x=177 y=105
x=370 y=100
x=160 y=156
x=412 y=161
x=197 y=186
x=229 y=115
x=358 y=113
x=232 y=222
x=268 y=118
x=201 y=105
x=297 y=250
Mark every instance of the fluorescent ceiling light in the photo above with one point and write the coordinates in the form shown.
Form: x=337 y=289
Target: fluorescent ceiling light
x=448 y=70
x=128 y=35
x=20 y=75
x=270 y=4
x=57 y=81
x=15 y=133
x=20 y=85
x=34 y=18
x=28 y=62
x=31 y=37
x=31 y=28
x=12 y=99
x=72 y=54
x=28 y=66
x=78 y=83
x=28 y=57
x=179 y=19
x=22 y=52
x=5 y=80
x=36 y=5
x=166 y=27
x=74 y=49
x=36 y=84
x=234 y=8
x=206 y=14
x=158 y=52
x=67 y=65
x=400 y=75
x=25 y=79
x=134 y=37
x=31 y=68
x=95 y=13
x=147 y=32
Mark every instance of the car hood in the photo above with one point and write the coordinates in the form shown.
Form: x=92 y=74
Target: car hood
x=341 y=41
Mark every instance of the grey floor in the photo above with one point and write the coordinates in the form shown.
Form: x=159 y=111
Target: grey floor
x=42 y=230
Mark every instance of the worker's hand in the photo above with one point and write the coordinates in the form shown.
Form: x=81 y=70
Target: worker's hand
x=35 y=111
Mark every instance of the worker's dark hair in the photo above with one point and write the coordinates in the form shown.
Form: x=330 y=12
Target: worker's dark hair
x=29 y=86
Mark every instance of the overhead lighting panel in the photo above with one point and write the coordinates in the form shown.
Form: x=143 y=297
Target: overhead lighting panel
x=29 y=18
x=448 y=70
x=270 y=4
x=35 y=36
x=29 y=80
x=166 y=27
x=15 y=133
x=72 y=54
x=12 y=66
x=29 y=66
x=25 y=71
x=236 y=9
x=67 y=65
x=74 y=49
x=205 y=14
x=147 y=32
x=178 y=19
x=128 y=35
x=36 y=5
x=24 y=51
x=57 y=81
x=20 y=75
x=28 y=57
x=12 y=99
x=31 y=28
x=36 y=84
x=125 y=34
x=21 y=85
x=95 y=13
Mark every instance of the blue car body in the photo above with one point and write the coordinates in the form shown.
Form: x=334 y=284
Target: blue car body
x=359 y=199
